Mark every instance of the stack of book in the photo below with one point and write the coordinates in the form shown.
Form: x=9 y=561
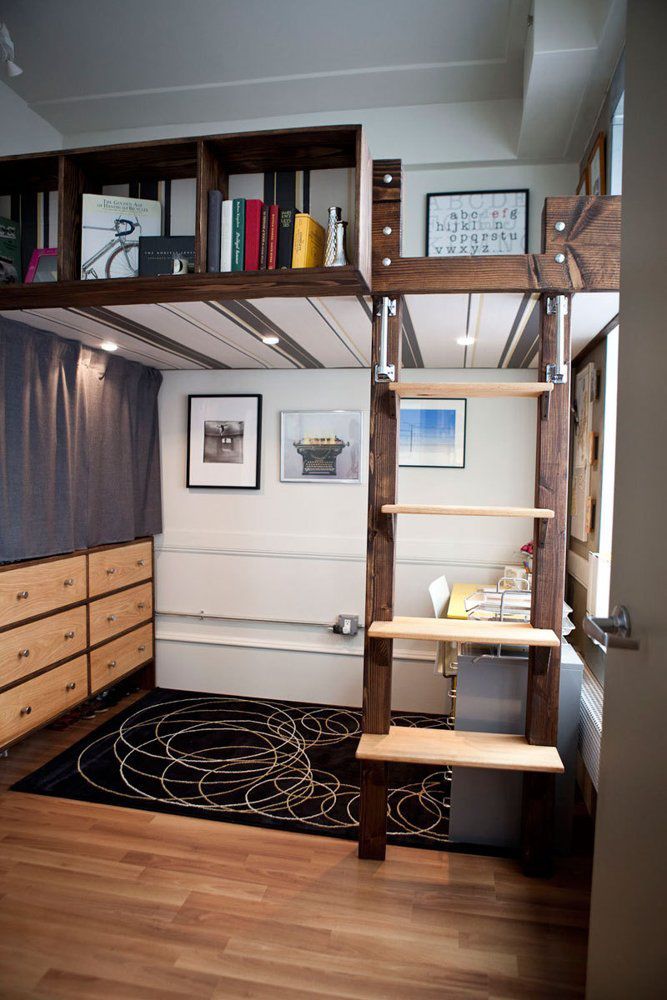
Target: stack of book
x=245 y=234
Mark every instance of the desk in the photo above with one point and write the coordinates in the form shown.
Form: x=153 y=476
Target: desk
x=456 y=607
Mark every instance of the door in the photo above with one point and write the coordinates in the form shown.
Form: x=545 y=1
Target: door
x=628 y=907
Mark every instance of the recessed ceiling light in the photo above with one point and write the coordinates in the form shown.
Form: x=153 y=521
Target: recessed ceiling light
x=465 y=341
x=108 y=345
x=271 y=340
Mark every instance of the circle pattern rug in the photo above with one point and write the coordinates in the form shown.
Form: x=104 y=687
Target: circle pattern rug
x=267 y=763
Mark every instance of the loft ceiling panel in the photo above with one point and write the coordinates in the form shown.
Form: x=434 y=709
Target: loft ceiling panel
x=74 y=326
x=316 y=327
x=210 y=334
x=438 y=321
x=591 y=312
x=231 y=322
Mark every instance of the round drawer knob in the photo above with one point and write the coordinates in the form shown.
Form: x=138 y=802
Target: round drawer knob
x=22 y=595
x=70 y=686
x=70 y=634
x=69 y=582
x=141 y=605
x=112 y=664
x=111 y=570
x=142 y=649
x=141 y=562
x=24 y=652
x=111 y=618
x=27 y=710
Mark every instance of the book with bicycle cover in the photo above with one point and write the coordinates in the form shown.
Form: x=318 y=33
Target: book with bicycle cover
x=110 y=230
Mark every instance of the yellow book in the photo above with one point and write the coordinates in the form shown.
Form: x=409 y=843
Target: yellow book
x=308 y=247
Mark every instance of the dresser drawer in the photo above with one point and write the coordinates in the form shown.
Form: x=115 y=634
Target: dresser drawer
x=119 y=567
x=112 y=661
x=28 y=648
x=27 y=591
x=118 y=612
x=30 y=705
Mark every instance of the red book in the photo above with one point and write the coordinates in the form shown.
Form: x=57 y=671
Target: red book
x=253 y=225
x=272 y=255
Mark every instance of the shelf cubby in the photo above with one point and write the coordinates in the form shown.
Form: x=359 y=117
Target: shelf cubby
x=211 y=160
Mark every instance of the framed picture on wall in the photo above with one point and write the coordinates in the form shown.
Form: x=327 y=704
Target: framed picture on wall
x=583 y=186
x=476 y=223
x=321 y=446
x=596 y=167
x=433 y=433
x=224 y=442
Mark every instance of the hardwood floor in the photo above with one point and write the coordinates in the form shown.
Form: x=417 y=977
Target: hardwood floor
x=99 y=901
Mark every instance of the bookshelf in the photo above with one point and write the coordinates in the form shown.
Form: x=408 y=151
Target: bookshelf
x=211 y=160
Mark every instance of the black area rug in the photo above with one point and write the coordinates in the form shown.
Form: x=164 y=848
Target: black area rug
x=275 y=764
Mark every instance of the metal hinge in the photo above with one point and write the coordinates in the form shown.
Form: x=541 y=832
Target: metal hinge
x=385 y=372
x=557 y=306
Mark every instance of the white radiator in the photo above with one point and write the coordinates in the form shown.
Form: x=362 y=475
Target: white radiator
x=590 y=724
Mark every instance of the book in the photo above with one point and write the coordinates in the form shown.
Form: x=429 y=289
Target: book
x=10 y=252
x=110 y=230
x=157 y=253
x=272 y=243
x=226 y=236
x=264 y=238
x=213 y=231
x=238 y=234
x=309 y=239
x=286 y=217
x=253 y=223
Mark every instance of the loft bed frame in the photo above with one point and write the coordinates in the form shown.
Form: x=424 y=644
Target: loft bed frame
x=581 y=253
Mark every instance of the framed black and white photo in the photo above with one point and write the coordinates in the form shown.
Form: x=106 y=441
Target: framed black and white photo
x=433 y=433
x=320 y=446
x=476 y=223
x=224 y=441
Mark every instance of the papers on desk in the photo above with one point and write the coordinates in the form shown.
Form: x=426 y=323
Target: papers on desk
x=490 y=604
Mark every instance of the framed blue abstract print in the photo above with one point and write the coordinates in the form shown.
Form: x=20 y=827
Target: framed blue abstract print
x=433 y=433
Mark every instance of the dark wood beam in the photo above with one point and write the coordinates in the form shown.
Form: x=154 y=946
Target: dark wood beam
x=549 y=556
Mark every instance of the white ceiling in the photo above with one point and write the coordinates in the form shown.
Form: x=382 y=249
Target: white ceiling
x=137 y=63
x=323 y=333
x=134 y=62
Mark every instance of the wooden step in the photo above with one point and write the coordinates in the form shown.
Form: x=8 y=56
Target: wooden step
x=455 y=630
x=468 y=390
x=453 y=510
x=495 y=751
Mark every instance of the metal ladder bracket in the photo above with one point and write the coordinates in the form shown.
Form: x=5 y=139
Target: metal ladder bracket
x=557 y=305
x=385 y=372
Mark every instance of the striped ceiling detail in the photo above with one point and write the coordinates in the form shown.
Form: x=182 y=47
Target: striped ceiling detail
x=323 y=332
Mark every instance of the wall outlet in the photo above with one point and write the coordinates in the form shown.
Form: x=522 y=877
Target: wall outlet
x=346 y=625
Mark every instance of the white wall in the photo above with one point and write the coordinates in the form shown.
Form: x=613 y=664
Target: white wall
x=297 y=551
x=21 y=130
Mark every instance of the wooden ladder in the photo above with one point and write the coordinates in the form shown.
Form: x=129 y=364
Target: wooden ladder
x=533 y=752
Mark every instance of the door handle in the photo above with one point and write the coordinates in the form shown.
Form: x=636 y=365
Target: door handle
x=614 y=632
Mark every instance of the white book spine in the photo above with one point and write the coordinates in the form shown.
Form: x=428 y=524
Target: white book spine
x=226 y=236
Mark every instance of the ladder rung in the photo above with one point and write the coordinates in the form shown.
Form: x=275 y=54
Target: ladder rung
x=455 y=390
x=452 y=510
x=456 y=630
x=496 y=751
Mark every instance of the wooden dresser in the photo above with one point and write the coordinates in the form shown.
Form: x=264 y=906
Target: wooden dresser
x=71 y=626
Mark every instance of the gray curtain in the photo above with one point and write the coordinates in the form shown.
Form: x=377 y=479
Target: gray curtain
x=79 y=445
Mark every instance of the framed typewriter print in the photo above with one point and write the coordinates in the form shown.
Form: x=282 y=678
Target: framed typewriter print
x=320 y=446
x=476 y=223
x=224 y=441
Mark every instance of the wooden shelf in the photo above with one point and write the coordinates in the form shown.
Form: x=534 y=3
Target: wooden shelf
x=451 y=510
x=312 y=281
x=495 y=751
x=210 y=161
x=468 y=390
x=452 y=630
